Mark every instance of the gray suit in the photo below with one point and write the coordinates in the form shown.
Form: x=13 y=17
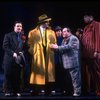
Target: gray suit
x=70 y=57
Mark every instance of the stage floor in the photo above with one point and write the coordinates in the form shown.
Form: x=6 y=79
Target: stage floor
x=29 y=96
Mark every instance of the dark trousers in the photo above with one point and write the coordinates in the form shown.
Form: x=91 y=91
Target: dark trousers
x=90 y=75
x=60 y=73
x=12 y=79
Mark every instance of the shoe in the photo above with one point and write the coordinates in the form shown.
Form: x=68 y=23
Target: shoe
x=53 y=92
x=42 y=92
x=63 y=93
x=8 y=94
x=31 y=91
x=75 y=94
x=18 y=94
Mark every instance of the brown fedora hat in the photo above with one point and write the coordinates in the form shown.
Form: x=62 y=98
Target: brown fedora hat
x=43 y=18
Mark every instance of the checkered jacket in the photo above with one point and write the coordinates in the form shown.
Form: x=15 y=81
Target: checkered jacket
x=70 y=52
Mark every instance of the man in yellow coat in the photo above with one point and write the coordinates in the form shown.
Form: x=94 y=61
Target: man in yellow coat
x=42 y=67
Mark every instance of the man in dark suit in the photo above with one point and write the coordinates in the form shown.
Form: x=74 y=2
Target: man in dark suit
x=13 y=59
x=58 y=62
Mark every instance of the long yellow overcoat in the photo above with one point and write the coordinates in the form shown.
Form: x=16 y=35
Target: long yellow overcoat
x=41 y=70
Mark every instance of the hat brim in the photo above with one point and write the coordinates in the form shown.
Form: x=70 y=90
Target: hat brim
x=48 y=19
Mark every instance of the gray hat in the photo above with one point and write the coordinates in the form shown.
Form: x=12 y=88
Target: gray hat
x=20 y=60
x=43 y=18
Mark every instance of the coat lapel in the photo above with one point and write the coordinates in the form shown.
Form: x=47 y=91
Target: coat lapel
x=14 y=38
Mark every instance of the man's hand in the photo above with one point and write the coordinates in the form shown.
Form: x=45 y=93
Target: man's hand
x=95 y=54
x=54 y=46
x=15 y=55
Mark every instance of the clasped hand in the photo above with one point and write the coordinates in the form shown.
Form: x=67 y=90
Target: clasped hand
x=53 y=46
x=15 y=55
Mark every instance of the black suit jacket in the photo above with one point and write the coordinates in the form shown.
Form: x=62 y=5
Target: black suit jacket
x=10 y=45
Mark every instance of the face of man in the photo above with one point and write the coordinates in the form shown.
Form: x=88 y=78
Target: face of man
x=46 y=24
x=65 y=33
x=77 y=33
x=88 y=19
x=18 y=27
x=58 y=33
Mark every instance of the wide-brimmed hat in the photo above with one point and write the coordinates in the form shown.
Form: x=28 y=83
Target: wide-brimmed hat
x=43 y=18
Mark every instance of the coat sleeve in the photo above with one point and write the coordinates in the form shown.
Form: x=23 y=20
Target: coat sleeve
x=73 y=43
x=6 y=45
x=55 y=40
x=30 y=43
x=97 y=37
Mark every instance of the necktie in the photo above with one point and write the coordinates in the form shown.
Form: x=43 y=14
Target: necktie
x=19 y=38
x=44 y=37
x=19 y=41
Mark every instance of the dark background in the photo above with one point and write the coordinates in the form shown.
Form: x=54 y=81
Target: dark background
x=63 y=13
